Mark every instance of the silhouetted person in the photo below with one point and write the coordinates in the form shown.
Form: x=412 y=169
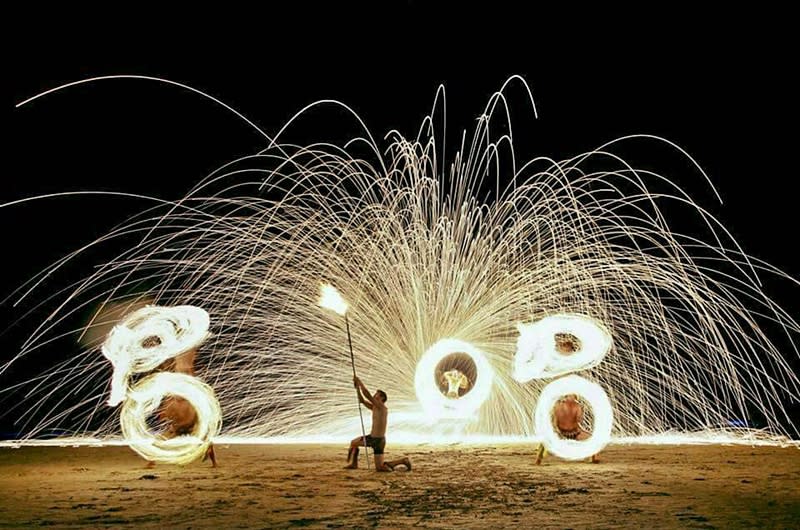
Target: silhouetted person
x=376 y=439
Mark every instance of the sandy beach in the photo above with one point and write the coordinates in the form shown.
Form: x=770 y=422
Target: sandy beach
x=294 y=486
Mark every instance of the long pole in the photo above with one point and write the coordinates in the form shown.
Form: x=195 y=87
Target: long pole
x=358 y=395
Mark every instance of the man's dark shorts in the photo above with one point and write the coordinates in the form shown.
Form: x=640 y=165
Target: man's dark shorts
x=377 y=444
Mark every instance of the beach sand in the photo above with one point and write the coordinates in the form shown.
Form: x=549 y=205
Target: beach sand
x=455 y=486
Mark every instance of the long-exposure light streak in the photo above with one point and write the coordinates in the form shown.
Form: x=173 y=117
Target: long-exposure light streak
x=428 y=246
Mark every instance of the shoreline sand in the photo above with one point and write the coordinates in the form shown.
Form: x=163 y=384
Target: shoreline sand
x=304 y=486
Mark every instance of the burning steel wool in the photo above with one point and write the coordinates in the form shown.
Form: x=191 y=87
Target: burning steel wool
x=544 y=277
x=143 y=342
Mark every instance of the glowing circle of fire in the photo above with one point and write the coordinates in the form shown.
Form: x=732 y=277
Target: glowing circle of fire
x=538 y=356
x=144 y=399
x=601 y=409
x=148 y=337
x=438 y=405
x=141 y=343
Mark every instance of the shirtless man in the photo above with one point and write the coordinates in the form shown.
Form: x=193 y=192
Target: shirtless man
x=377 y=436
x=455 y=381
x=177 y=413
x=568 y=415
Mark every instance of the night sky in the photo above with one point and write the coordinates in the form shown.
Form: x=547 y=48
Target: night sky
x=727 y=96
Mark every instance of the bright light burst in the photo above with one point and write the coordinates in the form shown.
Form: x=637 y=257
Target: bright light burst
x=438 y=405
x=332 y=300
x=426 y=251
x=141 y=343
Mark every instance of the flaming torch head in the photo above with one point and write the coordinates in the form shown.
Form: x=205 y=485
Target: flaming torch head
x=331 y=299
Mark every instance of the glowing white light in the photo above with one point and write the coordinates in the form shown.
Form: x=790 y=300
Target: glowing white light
x=427 y=388
x=331 y=299
x=148 y=337
x=601 y=410
x=537 y=356
x=144 y=399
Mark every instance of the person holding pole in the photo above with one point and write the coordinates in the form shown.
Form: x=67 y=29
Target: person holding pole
x=332 y=300
x=376 y=439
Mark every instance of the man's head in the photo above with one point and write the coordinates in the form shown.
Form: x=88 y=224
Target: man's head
x=380 y=394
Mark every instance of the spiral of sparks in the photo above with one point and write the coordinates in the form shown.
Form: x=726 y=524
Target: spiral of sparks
x=170 y=330
x=601 y=411
x=426 y=250
x=438 y=405
x=537 y=356
x=144 y=340
x=144 y=399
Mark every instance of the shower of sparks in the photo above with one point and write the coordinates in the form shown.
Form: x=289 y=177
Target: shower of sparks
x=432 y=257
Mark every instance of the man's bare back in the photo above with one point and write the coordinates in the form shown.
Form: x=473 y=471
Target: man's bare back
x=568 y=415
x=179 y=416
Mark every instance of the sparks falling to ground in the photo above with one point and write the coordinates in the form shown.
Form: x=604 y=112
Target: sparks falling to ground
x=440 y=260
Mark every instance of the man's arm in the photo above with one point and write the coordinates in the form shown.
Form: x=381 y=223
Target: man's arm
x=363 y=394
x=367 y=403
